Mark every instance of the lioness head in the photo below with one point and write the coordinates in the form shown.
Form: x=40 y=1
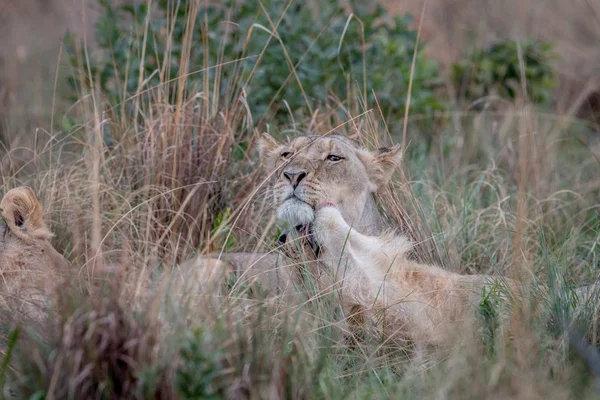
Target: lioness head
x=312 y=170
x=27 y=258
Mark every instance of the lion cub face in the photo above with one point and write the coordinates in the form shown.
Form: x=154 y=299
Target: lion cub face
x=311 y=170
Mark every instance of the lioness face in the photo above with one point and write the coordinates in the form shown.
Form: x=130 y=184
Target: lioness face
x=312 y=170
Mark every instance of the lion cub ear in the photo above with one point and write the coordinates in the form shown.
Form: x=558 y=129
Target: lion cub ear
x=268 y=149
x=22 y=213
x=381 y=164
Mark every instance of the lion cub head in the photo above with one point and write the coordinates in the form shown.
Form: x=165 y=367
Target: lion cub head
x=28 y=262
x=311 y=170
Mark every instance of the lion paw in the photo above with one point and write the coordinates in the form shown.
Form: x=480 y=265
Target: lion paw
x=329 y=225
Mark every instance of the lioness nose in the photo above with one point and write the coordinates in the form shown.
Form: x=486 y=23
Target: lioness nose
x=294 y=177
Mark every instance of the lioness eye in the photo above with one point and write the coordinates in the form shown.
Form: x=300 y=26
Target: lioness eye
x=334 y=158
x=287 y=154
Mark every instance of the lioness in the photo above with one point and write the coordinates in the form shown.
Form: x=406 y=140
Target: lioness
x=311 y=176
x=28 y=261
x=323 y=189
x=308 y=172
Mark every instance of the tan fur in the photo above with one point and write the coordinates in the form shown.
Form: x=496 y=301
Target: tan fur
x=421 y=303
x=29 y=264
x=380 y=285
x=22 y=213
x=349 y=183
x=31 y=269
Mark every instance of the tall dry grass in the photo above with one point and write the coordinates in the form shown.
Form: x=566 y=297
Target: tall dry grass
x=501 y=193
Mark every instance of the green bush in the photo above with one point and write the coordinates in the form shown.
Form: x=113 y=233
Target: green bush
x=496 y=71
x=324 y=43
x=198 y=374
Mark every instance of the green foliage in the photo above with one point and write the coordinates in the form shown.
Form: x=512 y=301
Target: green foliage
x=490 y=309
x=497 y=71
x=199 y=369
x=330 y=51
x=221 y=232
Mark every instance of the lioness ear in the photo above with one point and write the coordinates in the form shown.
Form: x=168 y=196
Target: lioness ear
x=22 y=213
x=267 y=147
x=381 y=164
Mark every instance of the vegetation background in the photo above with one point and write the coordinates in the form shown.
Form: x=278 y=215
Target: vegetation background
x=135 y=122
